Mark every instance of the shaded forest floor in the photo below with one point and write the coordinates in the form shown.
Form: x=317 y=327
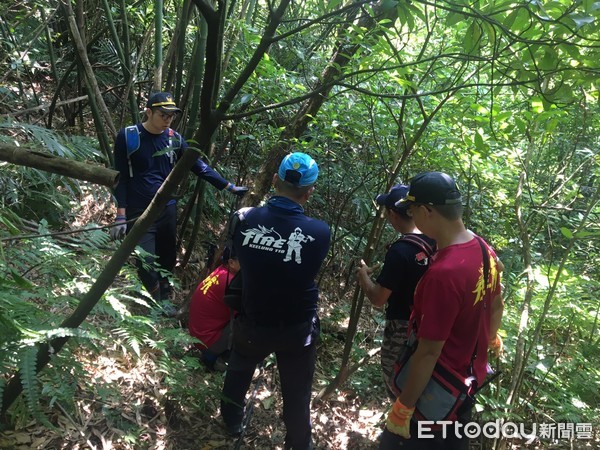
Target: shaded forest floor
x=129 y=401
x=145 y=416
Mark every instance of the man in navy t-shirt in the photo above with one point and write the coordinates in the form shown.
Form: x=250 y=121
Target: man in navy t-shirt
x=145 y=154
x=405 y=263
x=280 y=251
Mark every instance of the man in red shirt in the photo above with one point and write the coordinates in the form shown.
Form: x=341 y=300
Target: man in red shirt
x=210 y=317
x=455 y=308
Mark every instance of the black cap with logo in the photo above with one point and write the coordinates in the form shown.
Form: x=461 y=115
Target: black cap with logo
x=432 y=188
x=163 y=101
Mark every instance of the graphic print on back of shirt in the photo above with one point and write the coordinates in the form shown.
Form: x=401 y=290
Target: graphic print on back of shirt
x=208 y=282
x=269 y=240
x=480 y=287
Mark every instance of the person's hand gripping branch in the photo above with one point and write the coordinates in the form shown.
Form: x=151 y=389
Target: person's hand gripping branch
x=239 y=191
x=119 y=229
x=363 y=267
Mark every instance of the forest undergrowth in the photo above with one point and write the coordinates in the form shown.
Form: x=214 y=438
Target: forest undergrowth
x=138 y=382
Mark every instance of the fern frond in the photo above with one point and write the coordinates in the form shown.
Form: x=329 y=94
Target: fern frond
x=133 y=334
x=31 y=389
x=8 y=331
x=94 y=239
x=117 y=305
x=80 y=148
x=105 y=51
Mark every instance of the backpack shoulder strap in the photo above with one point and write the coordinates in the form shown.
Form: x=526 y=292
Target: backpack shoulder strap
x=236 y=219
x=132 y=139
x=175 y=139
x=418 y=241
x=132 y=142
x=486 y=273
x=486 y=260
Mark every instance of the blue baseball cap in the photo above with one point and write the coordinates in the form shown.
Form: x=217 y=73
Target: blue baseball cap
x=396 y=193
x=298 y=169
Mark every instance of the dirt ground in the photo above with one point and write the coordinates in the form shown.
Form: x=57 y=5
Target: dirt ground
x=352 y=418
x=343 y=421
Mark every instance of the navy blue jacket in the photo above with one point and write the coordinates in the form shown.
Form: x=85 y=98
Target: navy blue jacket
x=149 y=172
x=403 y=268
x=280 y=251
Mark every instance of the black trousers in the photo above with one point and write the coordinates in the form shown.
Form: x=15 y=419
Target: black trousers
x=296 y=364
x=160 y=240
x=437 y=441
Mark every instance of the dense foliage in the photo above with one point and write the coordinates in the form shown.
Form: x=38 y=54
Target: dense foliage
x=502 y=95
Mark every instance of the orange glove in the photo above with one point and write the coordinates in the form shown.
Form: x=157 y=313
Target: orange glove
x=398 y=419
x=496 y=346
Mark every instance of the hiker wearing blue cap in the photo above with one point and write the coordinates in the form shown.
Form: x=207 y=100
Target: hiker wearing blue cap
x=144 y=155
x=280 y=250
x=406 y=261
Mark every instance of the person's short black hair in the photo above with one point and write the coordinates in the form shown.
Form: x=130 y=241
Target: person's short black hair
x=402 y=212
x=287 y=188
x=449 y=212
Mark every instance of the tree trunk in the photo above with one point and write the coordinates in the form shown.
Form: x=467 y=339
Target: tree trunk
x=197 y=76
x=197 y=199
x=158 y=53
x=173 y=65
x=123 y=60
x=128 y=93
x=91 y=83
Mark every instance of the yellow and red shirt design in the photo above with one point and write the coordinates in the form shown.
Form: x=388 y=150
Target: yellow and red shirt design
x=209 y=281
x=481 y=286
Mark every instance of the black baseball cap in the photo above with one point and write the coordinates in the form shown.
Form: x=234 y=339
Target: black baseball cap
x=163 y=101
x=396 y=193
x=432 y=188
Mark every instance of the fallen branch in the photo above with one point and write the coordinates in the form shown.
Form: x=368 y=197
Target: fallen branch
x=46 y=106
x=49 y=163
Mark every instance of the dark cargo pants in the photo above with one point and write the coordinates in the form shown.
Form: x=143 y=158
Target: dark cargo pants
x=160 y=240
x=296 y=356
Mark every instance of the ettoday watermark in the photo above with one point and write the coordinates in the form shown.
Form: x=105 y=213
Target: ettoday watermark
x=509 y=430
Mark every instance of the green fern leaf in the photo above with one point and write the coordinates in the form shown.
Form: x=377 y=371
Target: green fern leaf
x=31 y=389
